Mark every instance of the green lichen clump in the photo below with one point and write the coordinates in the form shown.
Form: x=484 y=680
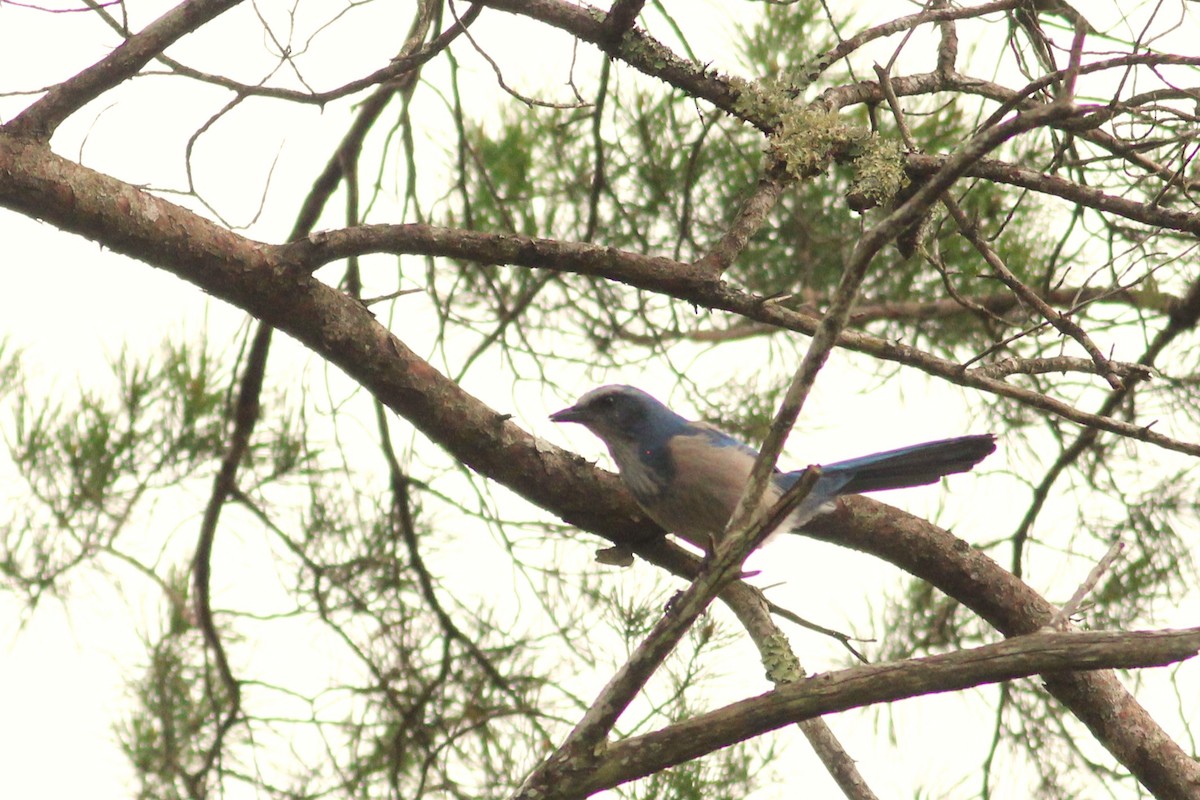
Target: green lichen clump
x=763 y=103
x=879 y=171
x=806 y=140
x=781 y=663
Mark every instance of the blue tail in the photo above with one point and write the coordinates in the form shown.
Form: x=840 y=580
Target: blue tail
x=915 y=465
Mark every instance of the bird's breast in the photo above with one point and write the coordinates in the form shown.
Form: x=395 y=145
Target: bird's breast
x=643 y=471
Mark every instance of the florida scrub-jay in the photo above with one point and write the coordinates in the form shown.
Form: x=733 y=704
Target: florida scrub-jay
x=688 y=476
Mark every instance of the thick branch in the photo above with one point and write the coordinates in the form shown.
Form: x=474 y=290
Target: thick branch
x=622 y=16
x=1038 y=653
x=1013 y=608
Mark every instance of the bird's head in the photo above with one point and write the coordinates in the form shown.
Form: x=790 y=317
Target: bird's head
x=623 y=414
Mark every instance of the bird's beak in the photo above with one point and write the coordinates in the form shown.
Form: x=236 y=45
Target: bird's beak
x=571 y=414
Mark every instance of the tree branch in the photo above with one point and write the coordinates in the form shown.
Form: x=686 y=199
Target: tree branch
x=1098 y=699
x=944 y=13
x=1156 y=215
x=783 y=668
x=1037 y=653
x=749 y=220
x=245 y=417
x=561 y=772
x=622 y=16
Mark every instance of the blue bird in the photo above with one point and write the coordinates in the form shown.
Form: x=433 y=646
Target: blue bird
x=688 y=476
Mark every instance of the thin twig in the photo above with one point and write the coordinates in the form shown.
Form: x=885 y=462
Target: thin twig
x=1062 y=322
x=529 y=101
x=844 y=639
x=44 y=115
x=892 y=27
x=1062 y=618
x=968 y=230
x=245 y=416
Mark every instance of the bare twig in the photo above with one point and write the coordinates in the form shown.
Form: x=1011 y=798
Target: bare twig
x=939 y=14
x=1182 y=318
x=1060 y=321
x=43 y=117
x=499 y=73
x=967 y=229
x=844 y=639
x=245 y=415
x=397 y=69
x=1062 y=618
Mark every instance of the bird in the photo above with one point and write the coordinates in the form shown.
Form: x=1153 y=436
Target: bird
x=688 y=476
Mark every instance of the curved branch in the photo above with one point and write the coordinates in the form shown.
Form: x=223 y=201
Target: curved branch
x=1019 y=657
x=1098 y=699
